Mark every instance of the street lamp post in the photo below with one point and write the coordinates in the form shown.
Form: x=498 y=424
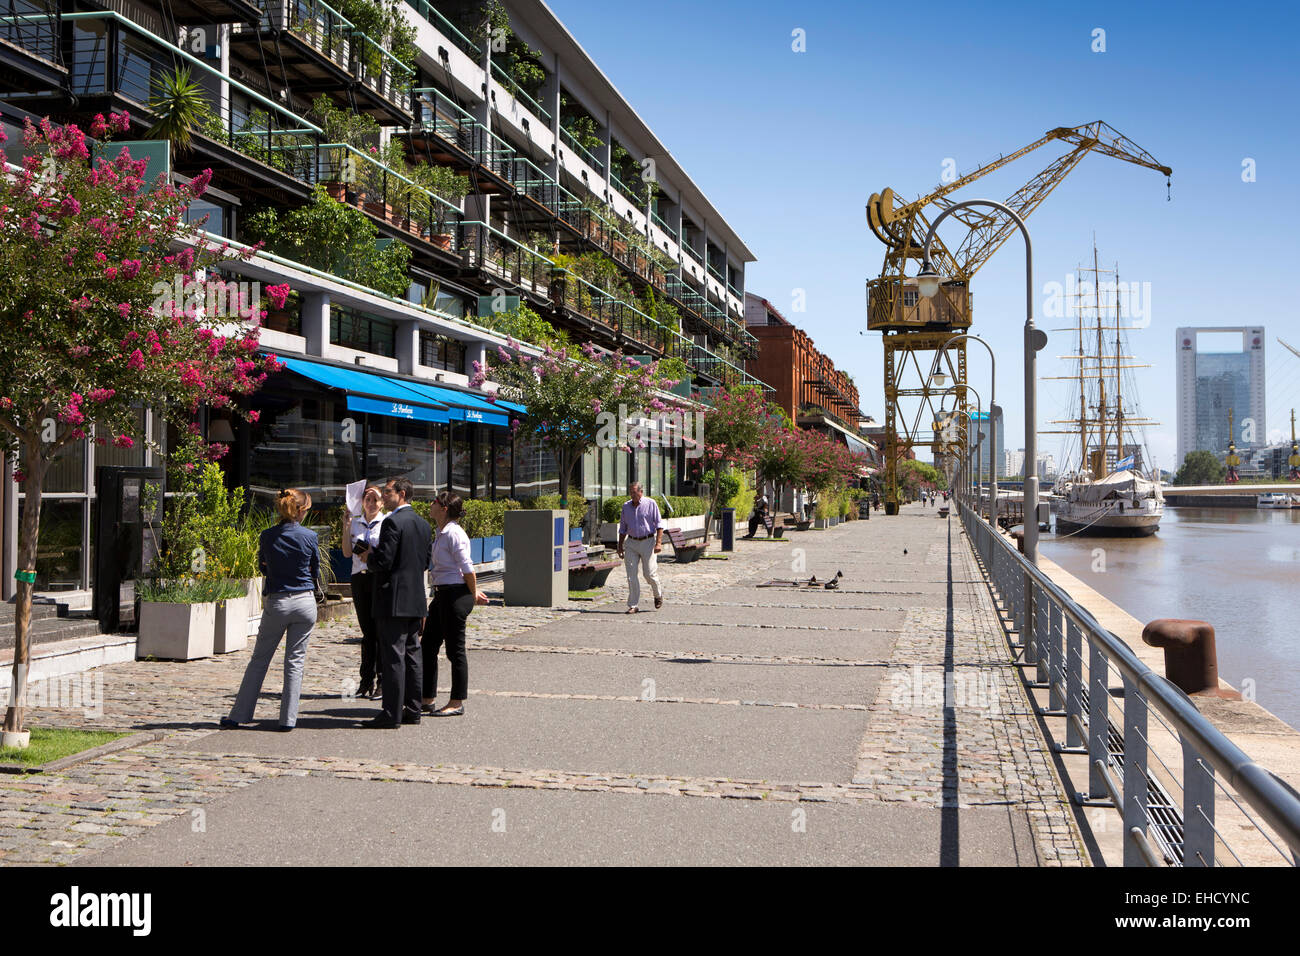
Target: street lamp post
x=928 y=285
x=979 y=411
x=993 y=412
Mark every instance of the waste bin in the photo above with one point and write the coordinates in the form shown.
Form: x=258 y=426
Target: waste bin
x=728 y=529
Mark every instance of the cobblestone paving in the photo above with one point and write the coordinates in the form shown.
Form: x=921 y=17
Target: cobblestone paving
x=997 y=753
x=961 y=731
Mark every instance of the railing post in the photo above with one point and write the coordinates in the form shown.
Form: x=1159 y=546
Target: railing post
x=1198 y=808
x=1042 y=636
x=1073 y=686
x=1134 y=787
x=1098 y=721
x=1056 y=672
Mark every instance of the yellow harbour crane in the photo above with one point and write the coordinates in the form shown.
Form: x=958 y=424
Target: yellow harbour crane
x=913 y=324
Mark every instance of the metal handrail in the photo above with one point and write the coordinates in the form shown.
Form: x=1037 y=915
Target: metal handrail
x=585 y=154
x=517 y=91
x=424 y=8
x=1203 y=743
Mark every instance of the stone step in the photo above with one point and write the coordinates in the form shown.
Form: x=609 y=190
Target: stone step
x=50 y=630
x=39 y=610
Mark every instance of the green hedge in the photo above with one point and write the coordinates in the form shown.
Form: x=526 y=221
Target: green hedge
x=577 y=506
x=683 y=506
x=486 y=519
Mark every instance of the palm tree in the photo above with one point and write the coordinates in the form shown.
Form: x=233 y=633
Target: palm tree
x=181 y=107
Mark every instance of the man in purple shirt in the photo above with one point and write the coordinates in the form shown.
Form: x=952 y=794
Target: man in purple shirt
x=640 y=538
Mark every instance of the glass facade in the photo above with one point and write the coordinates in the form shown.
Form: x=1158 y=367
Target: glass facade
x=355 y=330
x=1222 y=384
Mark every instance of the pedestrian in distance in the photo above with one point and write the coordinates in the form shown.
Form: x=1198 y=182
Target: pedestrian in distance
x=640 y=538
x=289 y=557
x=455 y=593
x=759 y=515
x=399 y=563
x=360 y=537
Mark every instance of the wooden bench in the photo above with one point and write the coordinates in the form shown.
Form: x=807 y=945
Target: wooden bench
x=585 y=574
x=774 y=530
x=687 y=545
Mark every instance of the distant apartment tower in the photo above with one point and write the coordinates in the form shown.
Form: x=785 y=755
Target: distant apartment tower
x=1216 y=376
x=985 y=459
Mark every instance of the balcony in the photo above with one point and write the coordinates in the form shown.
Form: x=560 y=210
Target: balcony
x=199 y=12
x=309 y=47
x=30 y=55
x=444 y=26
x=582 y=152
x=514 y=89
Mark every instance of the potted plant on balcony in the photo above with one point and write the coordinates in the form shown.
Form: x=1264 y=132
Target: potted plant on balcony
x=347 y=128
x=448 y=185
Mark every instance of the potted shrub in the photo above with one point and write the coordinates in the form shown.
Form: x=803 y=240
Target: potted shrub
x=230 y=631
x=448 y=185
x=178 y=618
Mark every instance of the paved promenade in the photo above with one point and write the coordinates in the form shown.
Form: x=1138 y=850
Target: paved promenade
x=881 y=723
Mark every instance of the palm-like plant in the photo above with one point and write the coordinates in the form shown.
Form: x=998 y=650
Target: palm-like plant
x=181 y=107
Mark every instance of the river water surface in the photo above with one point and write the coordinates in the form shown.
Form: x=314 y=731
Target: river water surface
x=1237 y=568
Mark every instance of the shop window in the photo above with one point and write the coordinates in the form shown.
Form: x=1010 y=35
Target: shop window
x=503 y=453
x=397 y=447
x=462 y=460
x=303 y=440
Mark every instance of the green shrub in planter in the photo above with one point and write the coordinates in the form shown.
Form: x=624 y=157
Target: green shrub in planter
x=486 y=519
x=683 y=506
x=577 y=507
x=191 y=590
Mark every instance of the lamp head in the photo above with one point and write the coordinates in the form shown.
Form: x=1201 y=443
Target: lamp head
x=927 y=280
x=939 y=379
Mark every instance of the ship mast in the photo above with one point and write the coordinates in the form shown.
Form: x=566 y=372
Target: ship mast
x=1119 y=401
x=1101 y=365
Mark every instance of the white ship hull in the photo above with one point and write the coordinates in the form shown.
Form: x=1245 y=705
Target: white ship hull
x=1102 y=518
x=1275 y=501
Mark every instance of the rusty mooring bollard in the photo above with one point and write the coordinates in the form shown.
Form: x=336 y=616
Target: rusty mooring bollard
x=1020 y=540
x=1191 y=662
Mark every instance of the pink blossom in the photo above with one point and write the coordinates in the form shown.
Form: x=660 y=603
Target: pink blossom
x=136 y=361
x=130 y=268
x=101 y=395
x=19 y=476
x=79 y=351
x=70 y=206
x=124 y=441
x=278 y=294
x=110 y=273
x=253 y=416
x=124 y=309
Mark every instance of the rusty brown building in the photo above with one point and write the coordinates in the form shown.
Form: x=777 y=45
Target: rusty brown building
x=807 y=385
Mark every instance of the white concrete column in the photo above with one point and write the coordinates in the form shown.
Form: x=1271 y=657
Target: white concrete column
x=316 y=322
x=606 y=153
x=551 y=101
x=408 y=346
x=474 y=352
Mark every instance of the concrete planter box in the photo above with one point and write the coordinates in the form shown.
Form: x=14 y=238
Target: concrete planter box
x=609 y=529
x=176 y=632
x=231 y=629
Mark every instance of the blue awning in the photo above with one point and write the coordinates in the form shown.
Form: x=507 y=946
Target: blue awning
x=463 y=406
x=368 y=392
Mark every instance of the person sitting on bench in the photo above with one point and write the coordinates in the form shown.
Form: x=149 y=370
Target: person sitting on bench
x=759 y=515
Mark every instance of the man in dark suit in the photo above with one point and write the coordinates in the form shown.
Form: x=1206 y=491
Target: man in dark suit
x=398 y=563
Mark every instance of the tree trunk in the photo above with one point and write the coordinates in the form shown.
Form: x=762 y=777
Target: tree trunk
x=27 y=539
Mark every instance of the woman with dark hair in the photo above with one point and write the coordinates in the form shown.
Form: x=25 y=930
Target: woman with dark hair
x=360 y=537
x=289 y=557
x=455 y=592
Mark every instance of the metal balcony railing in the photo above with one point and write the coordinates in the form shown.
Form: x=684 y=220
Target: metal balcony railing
x=517 y=91
x=34 y=26
x=584 y=154
x=444 y=26
x=666 y=229
x=1169 y=812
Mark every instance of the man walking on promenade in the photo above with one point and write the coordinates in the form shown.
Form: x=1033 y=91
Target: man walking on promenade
x=398 y=563
x=643 y=529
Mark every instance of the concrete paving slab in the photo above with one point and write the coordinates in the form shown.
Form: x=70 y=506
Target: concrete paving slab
x=311 y=821
x=815 y=614
x=503 y=671
x=766 y=743
x=703 y=639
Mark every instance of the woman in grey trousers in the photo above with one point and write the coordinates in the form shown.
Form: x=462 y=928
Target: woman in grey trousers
x=289 y=558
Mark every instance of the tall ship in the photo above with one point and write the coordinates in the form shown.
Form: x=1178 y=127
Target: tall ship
x=1109 y=485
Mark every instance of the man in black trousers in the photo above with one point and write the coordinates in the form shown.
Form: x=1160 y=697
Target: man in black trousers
x=398 y=563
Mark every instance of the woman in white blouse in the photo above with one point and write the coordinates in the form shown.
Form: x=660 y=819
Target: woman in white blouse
x=361 y=533
x=455 y=592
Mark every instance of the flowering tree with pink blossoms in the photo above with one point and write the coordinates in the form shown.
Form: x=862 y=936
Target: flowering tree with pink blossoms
x=91 y=257
x=732 y=428
x=575 y=399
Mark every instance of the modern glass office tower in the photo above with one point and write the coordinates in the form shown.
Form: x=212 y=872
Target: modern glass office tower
x=1220 y=371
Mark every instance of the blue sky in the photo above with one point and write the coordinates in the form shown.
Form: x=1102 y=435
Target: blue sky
x=789 y=145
